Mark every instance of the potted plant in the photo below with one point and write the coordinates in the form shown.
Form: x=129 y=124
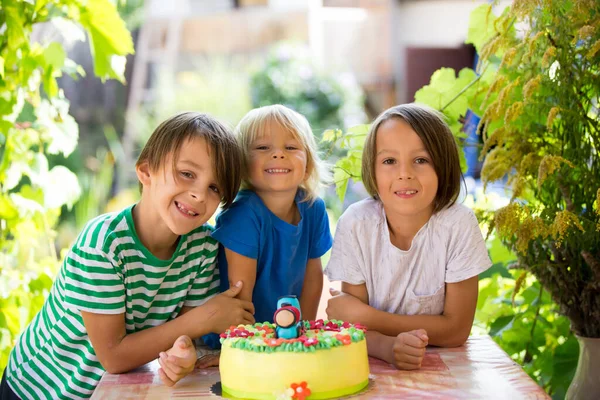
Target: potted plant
x=537 y=93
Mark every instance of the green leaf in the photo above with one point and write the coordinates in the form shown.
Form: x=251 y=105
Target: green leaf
x=50 y=85
x=14 y=25
x=69 y=192
x=340 y=178
x=497 y=268
x=27 y=208
x=481 y=26
x=329 y=135
x=443 y=91
x=61 y=129
x=54 y=56
x=110 y=39
x=7 y=209
x=1 y=67
x=501 y=325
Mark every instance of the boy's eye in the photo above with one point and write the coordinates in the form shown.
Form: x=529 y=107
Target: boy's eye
x=389 y=161
x=262 y=147
x=421 y=160
x=215 y=189
x=186 y=174
x=291 y=148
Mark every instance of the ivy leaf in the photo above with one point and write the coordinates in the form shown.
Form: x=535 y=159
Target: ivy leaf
x=69 y=192
x=481 y=26
x=110 y=39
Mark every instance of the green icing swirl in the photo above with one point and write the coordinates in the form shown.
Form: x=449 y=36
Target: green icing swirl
x=255 y=336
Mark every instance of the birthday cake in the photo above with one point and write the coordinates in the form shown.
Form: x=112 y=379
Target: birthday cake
x=293 y=359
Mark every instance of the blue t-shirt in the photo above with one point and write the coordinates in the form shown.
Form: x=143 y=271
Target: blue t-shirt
x=282 y=250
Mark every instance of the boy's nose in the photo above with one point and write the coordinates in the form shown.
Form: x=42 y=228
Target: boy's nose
x=278 y=154
x=405 y=172
x=198 y=196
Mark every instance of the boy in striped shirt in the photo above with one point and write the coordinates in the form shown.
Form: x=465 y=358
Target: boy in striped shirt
x=140 y=283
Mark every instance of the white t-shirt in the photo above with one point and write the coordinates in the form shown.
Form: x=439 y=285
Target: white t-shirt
x=449 y=248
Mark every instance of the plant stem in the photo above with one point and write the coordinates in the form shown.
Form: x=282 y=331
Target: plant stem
x=527 y=356
x=349 y=174
x=462 y=91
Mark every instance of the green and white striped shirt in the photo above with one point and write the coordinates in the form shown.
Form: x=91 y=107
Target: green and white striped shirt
x=107 y=271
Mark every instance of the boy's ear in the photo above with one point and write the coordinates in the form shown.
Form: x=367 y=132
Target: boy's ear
x=143 y=173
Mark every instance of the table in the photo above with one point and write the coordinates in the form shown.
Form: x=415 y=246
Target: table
x=479 y=369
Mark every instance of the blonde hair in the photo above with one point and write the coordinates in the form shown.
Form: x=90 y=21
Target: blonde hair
x=438 y=140
x=255 y=123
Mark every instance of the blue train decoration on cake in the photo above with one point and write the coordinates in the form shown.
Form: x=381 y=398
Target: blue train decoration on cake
x=288 y=317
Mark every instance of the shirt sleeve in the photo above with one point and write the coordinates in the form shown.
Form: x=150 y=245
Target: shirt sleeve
x=93 y=282
x=238 y=229
x=321 y=240
x=206 y=283
x=346 y=258
x=468 y=255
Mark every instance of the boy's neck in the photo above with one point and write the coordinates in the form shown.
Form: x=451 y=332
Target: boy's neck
x=403 y=228
x=282 y=204
x=152 y=232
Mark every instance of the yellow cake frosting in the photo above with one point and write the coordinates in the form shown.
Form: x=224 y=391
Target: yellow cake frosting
x=328 y=360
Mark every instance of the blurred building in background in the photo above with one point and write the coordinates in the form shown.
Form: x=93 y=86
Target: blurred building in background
x=196 y=54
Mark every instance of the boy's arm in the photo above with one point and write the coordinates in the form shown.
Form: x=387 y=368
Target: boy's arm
x=241 y=268
x=450 y=329
x=311 y=289
x=119 y=352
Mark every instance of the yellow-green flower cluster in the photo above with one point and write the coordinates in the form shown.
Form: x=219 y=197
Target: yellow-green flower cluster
x=563 y=221
x=549 y=165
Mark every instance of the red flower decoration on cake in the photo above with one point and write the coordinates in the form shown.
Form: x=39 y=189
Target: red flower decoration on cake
x=313 y=341
x=301 y=391
x=318 y=324
x=361 y=327
x=332 y=326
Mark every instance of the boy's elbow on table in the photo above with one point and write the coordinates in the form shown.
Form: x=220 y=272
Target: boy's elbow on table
x=456 y=337
x=114 y=362
x=113 y=366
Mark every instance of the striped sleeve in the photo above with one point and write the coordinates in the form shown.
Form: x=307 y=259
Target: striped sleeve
x=92 y=283
x=206 y=282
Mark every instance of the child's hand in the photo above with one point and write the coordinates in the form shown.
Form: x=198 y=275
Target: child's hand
x=178 y=361
x=225 y=310
x=209 y=360
x=344 y=307
x=409 y=348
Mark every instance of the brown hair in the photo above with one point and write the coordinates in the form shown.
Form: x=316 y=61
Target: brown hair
x=438 y=140
x=169 y=136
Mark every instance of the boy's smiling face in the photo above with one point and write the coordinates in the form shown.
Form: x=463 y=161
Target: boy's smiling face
x=406 y=179
x=278 y=161
x=187 y=196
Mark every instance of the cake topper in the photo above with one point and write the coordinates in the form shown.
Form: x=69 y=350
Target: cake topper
x=288 y=317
